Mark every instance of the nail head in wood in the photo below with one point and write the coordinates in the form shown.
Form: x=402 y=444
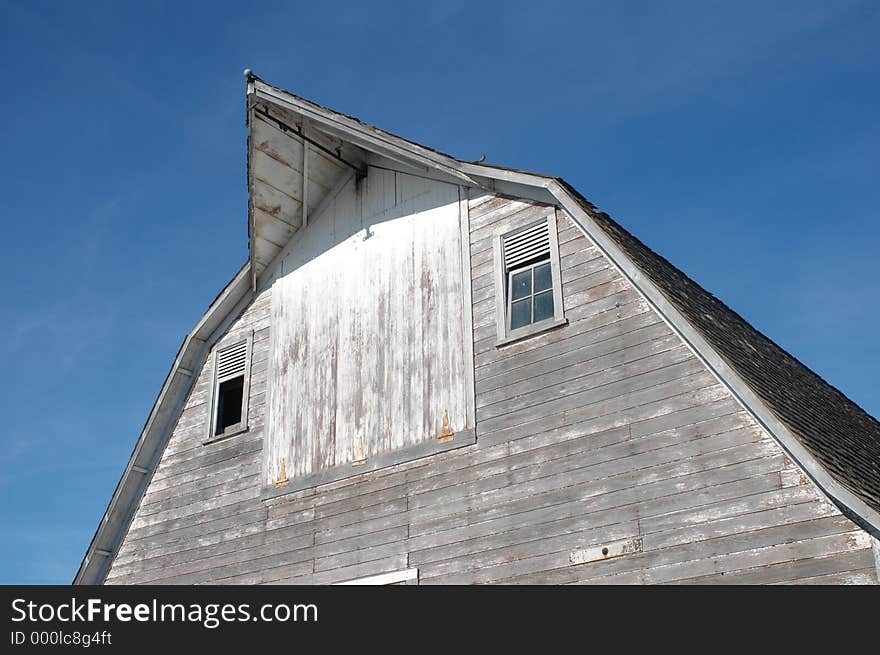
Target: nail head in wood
x=608 y=551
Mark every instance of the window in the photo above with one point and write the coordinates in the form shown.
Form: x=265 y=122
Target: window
x=229 y=397
x=528 y=284
x=530 y=295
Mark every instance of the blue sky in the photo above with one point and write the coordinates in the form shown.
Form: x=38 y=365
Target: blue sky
x=741 y=140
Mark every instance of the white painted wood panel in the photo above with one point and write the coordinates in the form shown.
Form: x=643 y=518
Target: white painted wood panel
x=368 y=344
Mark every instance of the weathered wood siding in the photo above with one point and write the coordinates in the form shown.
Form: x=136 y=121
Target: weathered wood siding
x=368 y=331
x=604 y=430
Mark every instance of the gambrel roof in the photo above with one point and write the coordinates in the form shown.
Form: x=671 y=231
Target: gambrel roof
x=830 y=437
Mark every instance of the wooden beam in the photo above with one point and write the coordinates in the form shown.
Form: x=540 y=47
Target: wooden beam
x=298 y=132
x=467 y=303
x=343 y=179
x=305 y=200
x=270 y=268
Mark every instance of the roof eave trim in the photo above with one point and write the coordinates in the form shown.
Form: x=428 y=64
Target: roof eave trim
x=150 y=445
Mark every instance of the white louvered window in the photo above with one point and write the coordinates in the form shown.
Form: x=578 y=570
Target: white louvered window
x=229 y=398
x=528 y=283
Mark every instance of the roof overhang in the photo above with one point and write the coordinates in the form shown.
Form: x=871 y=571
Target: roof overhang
x=300 y=153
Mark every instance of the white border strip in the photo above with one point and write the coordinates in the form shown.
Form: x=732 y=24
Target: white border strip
x=385 y=578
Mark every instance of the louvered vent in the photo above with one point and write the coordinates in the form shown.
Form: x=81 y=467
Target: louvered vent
x=231 y=361
x=526 y=245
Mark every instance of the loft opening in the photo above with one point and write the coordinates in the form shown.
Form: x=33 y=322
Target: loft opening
x=229 y=397
x=230 y=394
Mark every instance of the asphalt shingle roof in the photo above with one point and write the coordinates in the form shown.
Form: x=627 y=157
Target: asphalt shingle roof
x=841 y=435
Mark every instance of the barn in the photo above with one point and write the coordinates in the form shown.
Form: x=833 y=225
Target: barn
x=432 y=371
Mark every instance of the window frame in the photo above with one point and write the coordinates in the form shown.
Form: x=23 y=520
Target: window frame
x=503 y=277
x=242 y=425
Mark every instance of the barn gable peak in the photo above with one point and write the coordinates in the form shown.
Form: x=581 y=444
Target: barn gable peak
x=299 y=151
